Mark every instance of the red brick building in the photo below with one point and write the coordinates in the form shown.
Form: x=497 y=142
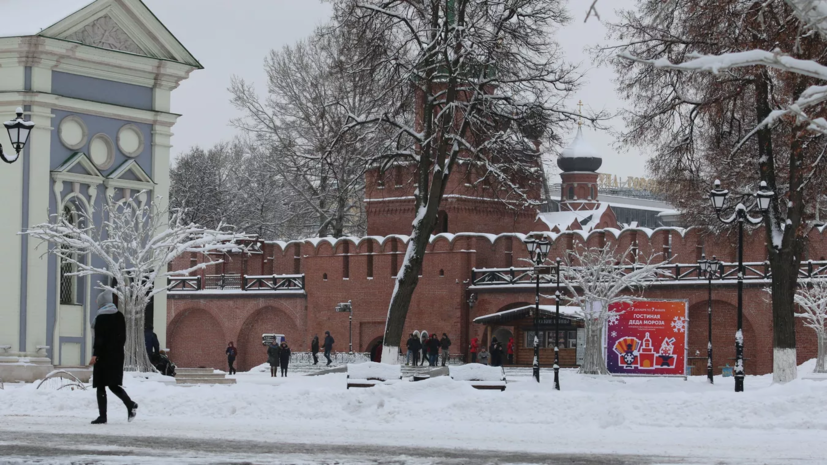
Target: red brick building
x=293 y=287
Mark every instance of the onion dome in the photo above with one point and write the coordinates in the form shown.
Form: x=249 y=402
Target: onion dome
x=579 y=156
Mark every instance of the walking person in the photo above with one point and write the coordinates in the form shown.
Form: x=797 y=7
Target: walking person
x=273 y=357
x=314 y=349
x=498 y=354
x=433 y=350
x=416 y=348
x=444 y=344
x=423 y=343
x=409 y=346
x=231 y=355
x=284 y=357
x=475 y=347
x=492 y=351
x=510 y=351
x=109 y=337
x=153 y=347
x=328 y=346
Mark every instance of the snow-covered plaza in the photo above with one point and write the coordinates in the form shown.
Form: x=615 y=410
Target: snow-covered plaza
x=314 y=419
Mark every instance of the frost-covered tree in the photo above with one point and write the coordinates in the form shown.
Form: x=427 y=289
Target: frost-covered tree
x=597 y=277
x=812 y=303
x=487 y=81
x=134 y=244
x=310 y=92
x=734 y=90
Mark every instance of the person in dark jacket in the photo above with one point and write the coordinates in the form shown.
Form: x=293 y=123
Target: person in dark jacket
x=232 y=353
x=273 y=357
x=492 y=350
x=153 y=347
x=328 y=346
x=433 y=350
x=497 y=355
x=444 y=344
x=109 y=336
x=409 y=346
x=416 y=347
x=314 y=349
x=284 y=357
x=423 y=343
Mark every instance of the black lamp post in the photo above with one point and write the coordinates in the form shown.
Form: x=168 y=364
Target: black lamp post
x=557 y=296
x=709 y=269
x=539 y=252
x=718 y=197
x=19 y=131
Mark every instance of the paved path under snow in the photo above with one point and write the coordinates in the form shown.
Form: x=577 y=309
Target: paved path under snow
x=18 y=447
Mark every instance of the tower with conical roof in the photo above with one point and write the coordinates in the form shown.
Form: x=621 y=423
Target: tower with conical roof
x=579 y=163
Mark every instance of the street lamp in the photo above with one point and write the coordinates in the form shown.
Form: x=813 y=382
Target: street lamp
x=538 y=251
x=710 y=269
x=19 y=131
x=719 y=196
x=557 y=296
x=347 y=307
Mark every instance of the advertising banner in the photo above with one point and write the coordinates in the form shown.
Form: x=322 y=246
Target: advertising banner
x=647 y=338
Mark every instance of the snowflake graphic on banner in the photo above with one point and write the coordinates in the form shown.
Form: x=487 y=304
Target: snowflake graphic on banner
x=679 y=324
x=613 y=318
x=614 y=333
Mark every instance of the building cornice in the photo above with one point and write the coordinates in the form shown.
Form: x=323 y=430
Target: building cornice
x=74 y=105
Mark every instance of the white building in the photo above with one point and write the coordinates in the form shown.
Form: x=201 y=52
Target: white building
x=96 y=78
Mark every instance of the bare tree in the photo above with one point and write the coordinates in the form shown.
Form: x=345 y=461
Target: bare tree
x=310 y=93
x=733 y=90
x=487 y=81
x=812 y=302
x=597 y=277
x=136 y=241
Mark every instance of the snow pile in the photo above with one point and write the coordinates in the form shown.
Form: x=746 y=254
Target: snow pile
x=579 y=148
x=374 y=371
x=477 y=372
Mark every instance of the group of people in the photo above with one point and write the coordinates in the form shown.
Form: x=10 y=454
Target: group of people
x=278 y=355
x=328 y=348
x=422 y=348
x=494 y=353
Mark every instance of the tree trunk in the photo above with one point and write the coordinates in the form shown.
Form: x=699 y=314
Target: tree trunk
x=593 y=361
x=135 y=355
x=784 y=285
x=406 y=282
x=820 y=368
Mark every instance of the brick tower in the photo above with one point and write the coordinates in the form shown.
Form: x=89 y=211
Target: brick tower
x=579 y=163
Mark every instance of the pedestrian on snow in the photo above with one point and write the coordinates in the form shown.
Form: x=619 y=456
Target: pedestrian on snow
x=153 y=347
x=492 y=351
x=423 y=342
x=284 y=357
x=231 y=355
x=416 y=348
x=109 y=336
x=510 y=351
x=314 y=349
x=484 y=356
x=273 y=357
x=409 y=346
x=433 y=350
x=444 y=344
x=475 y=347
x=497 y=355
x=328 y=346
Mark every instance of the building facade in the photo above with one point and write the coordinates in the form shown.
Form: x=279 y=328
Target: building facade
x=97 y=84
x=474 y=282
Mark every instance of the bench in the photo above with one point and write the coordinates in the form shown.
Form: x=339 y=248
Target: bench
x=369 y=374
x=479 y=376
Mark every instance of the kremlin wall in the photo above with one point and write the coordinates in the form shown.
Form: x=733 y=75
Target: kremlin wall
x=472 y=269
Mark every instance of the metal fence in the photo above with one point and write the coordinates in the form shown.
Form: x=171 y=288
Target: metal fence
x=273 y=283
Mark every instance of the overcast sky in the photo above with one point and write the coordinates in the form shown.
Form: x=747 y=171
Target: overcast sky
x=232 y=38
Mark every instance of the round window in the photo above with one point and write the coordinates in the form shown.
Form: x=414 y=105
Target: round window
x=102 y=151
x=72 y=132
x=130 y=140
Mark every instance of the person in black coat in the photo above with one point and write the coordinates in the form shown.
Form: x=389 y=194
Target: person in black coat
x=232 y=353
x=273 y=358
x=109 y=332
x=433 y=350
x=314 y=349
x=416 y=347
x=153 y=347
x=284 y=357
x=328 y=346
x=444 y=344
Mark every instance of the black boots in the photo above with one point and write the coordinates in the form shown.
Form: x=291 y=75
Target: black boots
x=130 y=413
x=99 y=421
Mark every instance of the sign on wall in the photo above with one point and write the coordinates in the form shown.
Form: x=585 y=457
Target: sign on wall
x=647 y=338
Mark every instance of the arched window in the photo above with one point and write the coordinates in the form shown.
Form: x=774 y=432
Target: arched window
x=68 y=282
x=324 y=277
x=441 y=273
x=441 y=222
x=591 y=195
x=571 y=192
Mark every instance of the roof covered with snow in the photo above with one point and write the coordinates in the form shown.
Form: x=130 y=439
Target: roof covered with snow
x=524 y=312
x=587 y=219
x=579 y=147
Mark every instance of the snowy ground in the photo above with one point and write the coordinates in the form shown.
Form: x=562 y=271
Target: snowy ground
x=307 y=419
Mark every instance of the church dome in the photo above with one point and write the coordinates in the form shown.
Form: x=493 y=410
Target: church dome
x=579 y=155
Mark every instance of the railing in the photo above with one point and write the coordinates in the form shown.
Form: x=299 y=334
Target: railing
x=271 y=283
x=753 y=271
